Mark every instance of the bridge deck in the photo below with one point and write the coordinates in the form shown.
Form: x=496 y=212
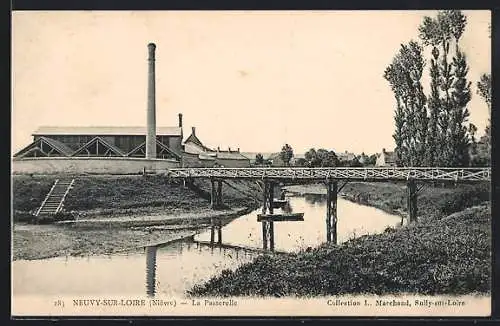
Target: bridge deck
x=345 y=173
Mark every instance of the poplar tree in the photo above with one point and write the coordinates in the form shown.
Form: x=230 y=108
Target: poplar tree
x=484 y=90
x=432 y=154
x=452 y=137
x=403 y=75
x=286 y=154
x=460 y=97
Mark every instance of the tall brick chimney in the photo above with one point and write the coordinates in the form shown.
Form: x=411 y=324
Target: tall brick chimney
x=180 y=120
x=151 y=118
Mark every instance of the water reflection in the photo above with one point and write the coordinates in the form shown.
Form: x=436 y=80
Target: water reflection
x=354 y=220
x=315 y=199
x=177 y=267
x=151 y=271
x=168 y=270
x=287 y=207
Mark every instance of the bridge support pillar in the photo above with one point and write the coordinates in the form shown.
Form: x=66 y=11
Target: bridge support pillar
x=271 y=211
x=411 y=198
x=268 y=226
x=331 y=212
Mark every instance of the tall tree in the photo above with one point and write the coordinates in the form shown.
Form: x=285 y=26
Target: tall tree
x=460 y=97
x=312 y=158
x=432 y=156
x=484 y=90
x=321 y=158
x=411 y=121
x=286 y=154
x=442 y=32
x=259 y=159
x=472 y=132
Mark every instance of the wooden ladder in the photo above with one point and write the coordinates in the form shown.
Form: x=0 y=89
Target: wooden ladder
x=46 y=197
x=54 y=201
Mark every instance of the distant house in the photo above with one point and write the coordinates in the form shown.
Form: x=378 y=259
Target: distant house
x=276 y=160
x=386 y=158
x=196 y=154
x=363 y=158
x=193 y=144
x=297 y=158
x=346 y=156
x=233 y=159
x=252 y=156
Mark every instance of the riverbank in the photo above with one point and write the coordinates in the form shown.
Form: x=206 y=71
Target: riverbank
x=447 y=252
x=117 y=213
x=433 y=202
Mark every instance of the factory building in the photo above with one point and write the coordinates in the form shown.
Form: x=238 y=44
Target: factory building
x=120 y=149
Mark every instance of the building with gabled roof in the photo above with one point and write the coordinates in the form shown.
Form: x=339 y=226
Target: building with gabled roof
x=102 y=141
x=196 y=154
x=386 y=158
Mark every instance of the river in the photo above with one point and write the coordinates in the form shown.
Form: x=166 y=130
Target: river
x=174 y=268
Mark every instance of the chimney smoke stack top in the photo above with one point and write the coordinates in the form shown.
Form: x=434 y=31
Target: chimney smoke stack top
x=151 y=48
x=180 y=120
x=193 y=131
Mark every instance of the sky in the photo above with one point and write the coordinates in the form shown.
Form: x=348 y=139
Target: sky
x=248 y=80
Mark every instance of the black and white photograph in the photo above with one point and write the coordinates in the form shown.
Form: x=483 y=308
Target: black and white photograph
x=251 y=163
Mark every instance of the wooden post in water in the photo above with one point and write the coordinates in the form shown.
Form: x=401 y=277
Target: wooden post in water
x=411 y=188
x=212 y=231
x=264 y=211
x=331 y=212
x=270 y=228
x=219 y=232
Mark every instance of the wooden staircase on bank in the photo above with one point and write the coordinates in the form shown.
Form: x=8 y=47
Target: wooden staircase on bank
x=54 y=201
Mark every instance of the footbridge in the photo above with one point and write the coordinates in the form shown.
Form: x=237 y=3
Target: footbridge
x=333 y=178
x=369 y=174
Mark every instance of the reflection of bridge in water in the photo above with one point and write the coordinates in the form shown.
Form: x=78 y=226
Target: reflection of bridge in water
x=180 y=248
x=269 y=178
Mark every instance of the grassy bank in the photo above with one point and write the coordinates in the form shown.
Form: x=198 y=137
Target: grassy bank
x=447 y=252
x=122 y=195
x=433 y=202
x=114 y=213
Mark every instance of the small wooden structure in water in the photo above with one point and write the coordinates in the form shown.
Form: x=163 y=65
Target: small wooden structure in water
x=280 y=217
x=267 y=218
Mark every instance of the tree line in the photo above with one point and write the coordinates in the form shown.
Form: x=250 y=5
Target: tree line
x=318 y=158
x=433 y=129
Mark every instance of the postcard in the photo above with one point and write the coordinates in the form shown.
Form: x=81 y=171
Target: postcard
x=251 y=163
